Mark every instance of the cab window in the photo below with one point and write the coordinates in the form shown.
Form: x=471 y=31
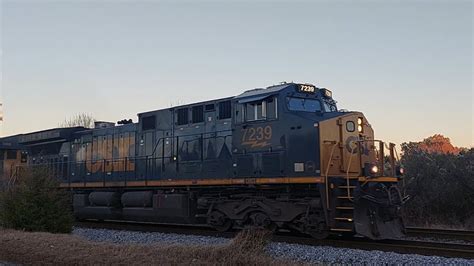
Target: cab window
x=329 y=107
x=272 y=108
x=304 y=105
x=261 y=110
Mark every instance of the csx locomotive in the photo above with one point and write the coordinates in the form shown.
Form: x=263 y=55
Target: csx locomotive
x=280 y=157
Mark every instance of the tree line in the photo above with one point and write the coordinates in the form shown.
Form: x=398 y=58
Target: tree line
x=440 y=180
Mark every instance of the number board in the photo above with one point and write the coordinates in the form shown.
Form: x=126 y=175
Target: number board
x=306 y=88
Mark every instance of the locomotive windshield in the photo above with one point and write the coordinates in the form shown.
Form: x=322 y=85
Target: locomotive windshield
x=311 y=105
x=304 y=105
x=329 y=105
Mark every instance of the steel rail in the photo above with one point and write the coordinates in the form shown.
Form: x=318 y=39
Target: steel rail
x=427 y=248
x=441 y=233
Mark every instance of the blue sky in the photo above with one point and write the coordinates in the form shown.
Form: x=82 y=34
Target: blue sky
x=406 y=65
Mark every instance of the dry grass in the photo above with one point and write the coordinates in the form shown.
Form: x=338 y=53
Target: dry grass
x=45 y=248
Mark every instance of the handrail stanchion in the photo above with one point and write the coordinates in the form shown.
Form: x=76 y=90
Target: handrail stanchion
x=382 y=157
x=162 y=158
x=135 y=167
x=348 y=183
x=327 y=172
x=103 y=171
x=392 y=158
x=176 y=155
x=125 y=172
x=146 y=170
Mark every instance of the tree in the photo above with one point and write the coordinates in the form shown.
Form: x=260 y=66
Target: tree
x=35 y=203
x=439 y=179
x=79 y=120
x=438 y=144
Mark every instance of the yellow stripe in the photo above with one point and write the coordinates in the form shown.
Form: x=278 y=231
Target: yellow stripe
x=199 y=182
x=218 y=182
x=379 y=179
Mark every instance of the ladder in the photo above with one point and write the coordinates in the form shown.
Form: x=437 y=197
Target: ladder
x=343 y=208
x=343 y=197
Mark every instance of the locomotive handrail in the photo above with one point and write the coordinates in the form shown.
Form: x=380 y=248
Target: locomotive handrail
x=190 y=135
x=348 y=183
x=70 y=168
x=381 y=157
x=72 y=171
x=327 y=172
x=99 y=168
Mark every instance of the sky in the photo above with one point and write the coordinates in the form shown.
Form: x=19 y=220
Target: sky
x=407 y=65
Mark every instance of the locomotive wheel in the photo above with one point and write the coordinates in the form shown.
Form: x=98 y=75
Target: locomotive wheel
x=219 y=221
x=260 y=220
x=316 y=227
x=318 y=231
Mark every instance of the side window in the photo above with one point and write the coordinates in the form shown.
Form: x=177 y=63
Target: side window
x=225 y=110
x=183 y=116
x=149 y=122
x=272 y=108
x=250 y=112
x=261 y=110
x=198 y=114
x=255 y=111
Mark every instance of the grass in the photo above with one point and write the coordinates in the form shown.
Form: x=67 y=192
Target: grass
x=247 y=248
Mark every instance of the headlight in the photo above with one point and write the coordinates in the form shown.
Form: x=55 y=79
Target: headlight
x=374 y=169
x=328 y=93
x=400 y=171
x=371 y=170
x=359 y=124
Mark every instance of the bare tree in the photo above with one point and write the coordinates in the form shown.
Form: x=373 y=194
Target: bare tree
x=79 y=120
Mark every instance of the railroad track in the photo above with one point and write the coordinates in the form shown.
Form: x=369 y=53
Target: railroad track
x=441 y=233
x=399 y=246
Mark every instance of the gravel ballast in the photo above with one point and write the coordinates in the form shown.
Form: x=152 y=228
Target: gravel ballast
x=315 y=254
x=133 y=237
x=295 y=252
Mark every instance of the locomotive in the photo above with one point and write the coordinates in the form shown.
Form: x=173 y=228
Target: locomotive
x=281 y=157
